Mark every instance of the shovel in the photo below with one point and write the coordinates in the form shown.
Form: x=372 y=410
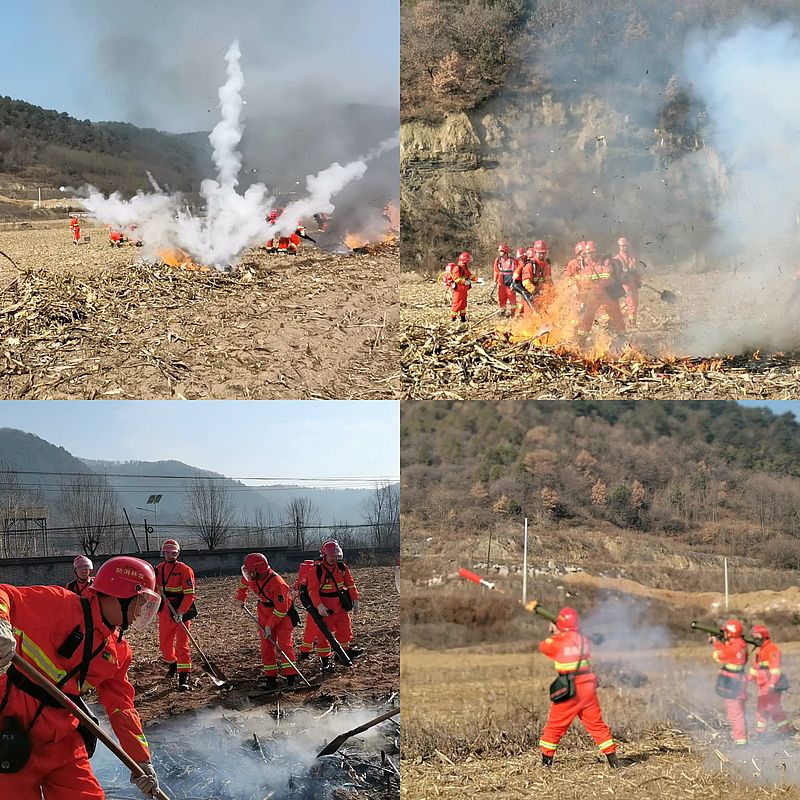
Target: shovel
x=664 y=294
x=208 y=666
x=34 y=675
x=277 y=646
x=336 y=743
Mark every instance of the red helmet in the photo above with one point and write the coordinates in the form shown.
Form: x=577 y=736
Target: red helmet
x=590 y=247
x=124 y=576
x=170 y=546
x=128 y=578
x=568 y=620
x=520 y=252
x=503 y=248
x=540 y=246
x=255 y=564
x=734 y=628
x=579 y=248
x=82 y=562
x=623 y=242
x=465 y=258
x=529 y=253
x=332 y=549
x=760 y=632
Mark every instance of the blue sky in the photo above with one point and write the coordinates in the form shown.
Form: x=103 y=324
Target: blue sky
x=158 y=63
x=776 y=406
x=248 y=438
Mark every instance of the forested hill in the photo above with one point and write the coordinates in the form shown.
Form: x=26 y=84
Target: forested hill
x=53 y=148
x=680 y=468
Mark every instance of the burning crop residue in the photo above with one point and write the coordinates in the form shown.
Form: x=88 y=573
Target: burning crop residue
x=250 y=755
x=178 y=259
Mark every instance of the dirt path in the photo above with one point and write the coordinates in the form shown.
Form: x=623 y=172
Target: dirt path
x=90 y=321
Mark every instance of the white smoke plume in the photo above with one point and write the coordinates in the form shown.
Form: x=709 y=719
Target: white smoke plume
x=742 y=79
x=230 y=222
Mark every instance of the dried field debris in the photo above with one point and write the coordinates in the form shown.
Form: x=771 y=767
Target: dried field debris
x=95 y=324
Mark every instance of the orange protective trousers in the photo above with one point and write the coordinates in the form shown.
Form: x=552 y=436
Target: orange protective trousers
x=61 y=769
x=586 y=707
x=770 y=709
x=631 y=288
x=734 y=709
x=311 y=634
x=459 y=304
x=342 y=630
x=596 y=300
x=505 y=294
x=174 y=641
x=282 y=634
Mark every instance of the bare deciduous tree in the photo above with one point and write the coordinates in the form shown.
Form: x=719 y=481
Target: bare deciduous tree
x=210 y=510
x=90 y=504
x=382 y=513
x=301 y=514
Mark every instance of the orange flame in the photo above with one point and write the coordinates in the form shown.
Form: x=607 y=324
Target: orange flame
x=178 y=259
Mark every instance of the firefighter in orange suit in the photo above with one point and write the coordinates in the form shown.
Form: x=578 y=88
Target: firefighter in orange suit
x=631 y=278
x=542 y=273
x=175 y=580
x=47 y=626
x=503 y=270
x=274 y=606
x=272 y=218
x=83 y=568
x=599 y=285
x=731 y=655
x=569 y=649
x=462 y=283
x=75 y=228
x=311 y=633
x=766 y=674
x=332 y=588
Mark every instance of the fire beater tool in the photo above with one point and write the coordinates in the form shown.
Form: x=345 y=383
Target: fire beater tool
x=40 y=680
x=276 y=646
x=717 y=633
x=532 y=606
x=10 y=259
x=336 y=743
x=208 y=666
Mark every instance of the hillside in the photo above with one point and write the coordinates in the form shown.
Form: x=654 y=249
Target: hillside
x=710 y=474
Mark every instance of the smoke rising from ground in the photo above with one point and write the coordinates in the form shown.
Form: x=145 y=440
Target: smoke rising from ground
x=231 y=221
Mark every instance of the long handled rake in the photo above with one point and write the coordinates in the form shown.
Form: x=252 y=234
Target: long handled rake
x=277 y=646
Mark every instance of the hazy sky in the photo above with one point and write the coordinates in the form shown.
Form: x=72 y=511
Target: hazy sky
x=775 y=406
x=248 y=438
x=159 y=63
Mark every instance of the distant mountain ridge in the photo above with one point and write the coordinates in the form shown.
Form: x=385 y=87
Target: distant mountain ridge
x=26 y=452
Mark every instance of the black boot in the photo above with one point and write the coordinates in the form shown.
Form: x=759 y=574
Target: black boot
x=267 y=682
x=304 y=656
x=355 y=652
x=326 y=664
x=291 y=680
x=547 y=761
x=613 y=761
x=172 y=670
x=183 y=682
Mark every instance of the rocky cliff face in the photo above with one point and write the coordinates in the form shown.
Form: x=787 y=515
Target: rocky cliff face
x=524 y=166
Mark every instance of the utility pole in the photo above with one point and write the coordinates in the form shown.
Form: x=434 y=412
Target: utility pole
x=525 y=565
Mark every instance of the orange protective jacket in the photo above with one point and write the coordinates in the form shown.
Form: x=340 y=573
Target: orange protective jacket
x=272 y=592
x=79 y=587
x=177 y=581
x=324 y=583
x=628 y=269
x=460 y=273
x=766 y=668
x=569 y=651
x=43 y=617
x=503 y=270
x=731 y=656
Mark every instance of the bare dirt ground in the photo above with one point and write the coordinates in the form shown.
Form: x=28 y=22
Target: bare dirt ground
x=230 y=640
x=89 y=321
x=495 y=358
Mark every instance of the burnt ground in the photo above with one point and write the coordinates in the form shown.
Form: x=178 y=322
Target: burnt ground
x=230 y=640
x=494 y=359
x=90 y=321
